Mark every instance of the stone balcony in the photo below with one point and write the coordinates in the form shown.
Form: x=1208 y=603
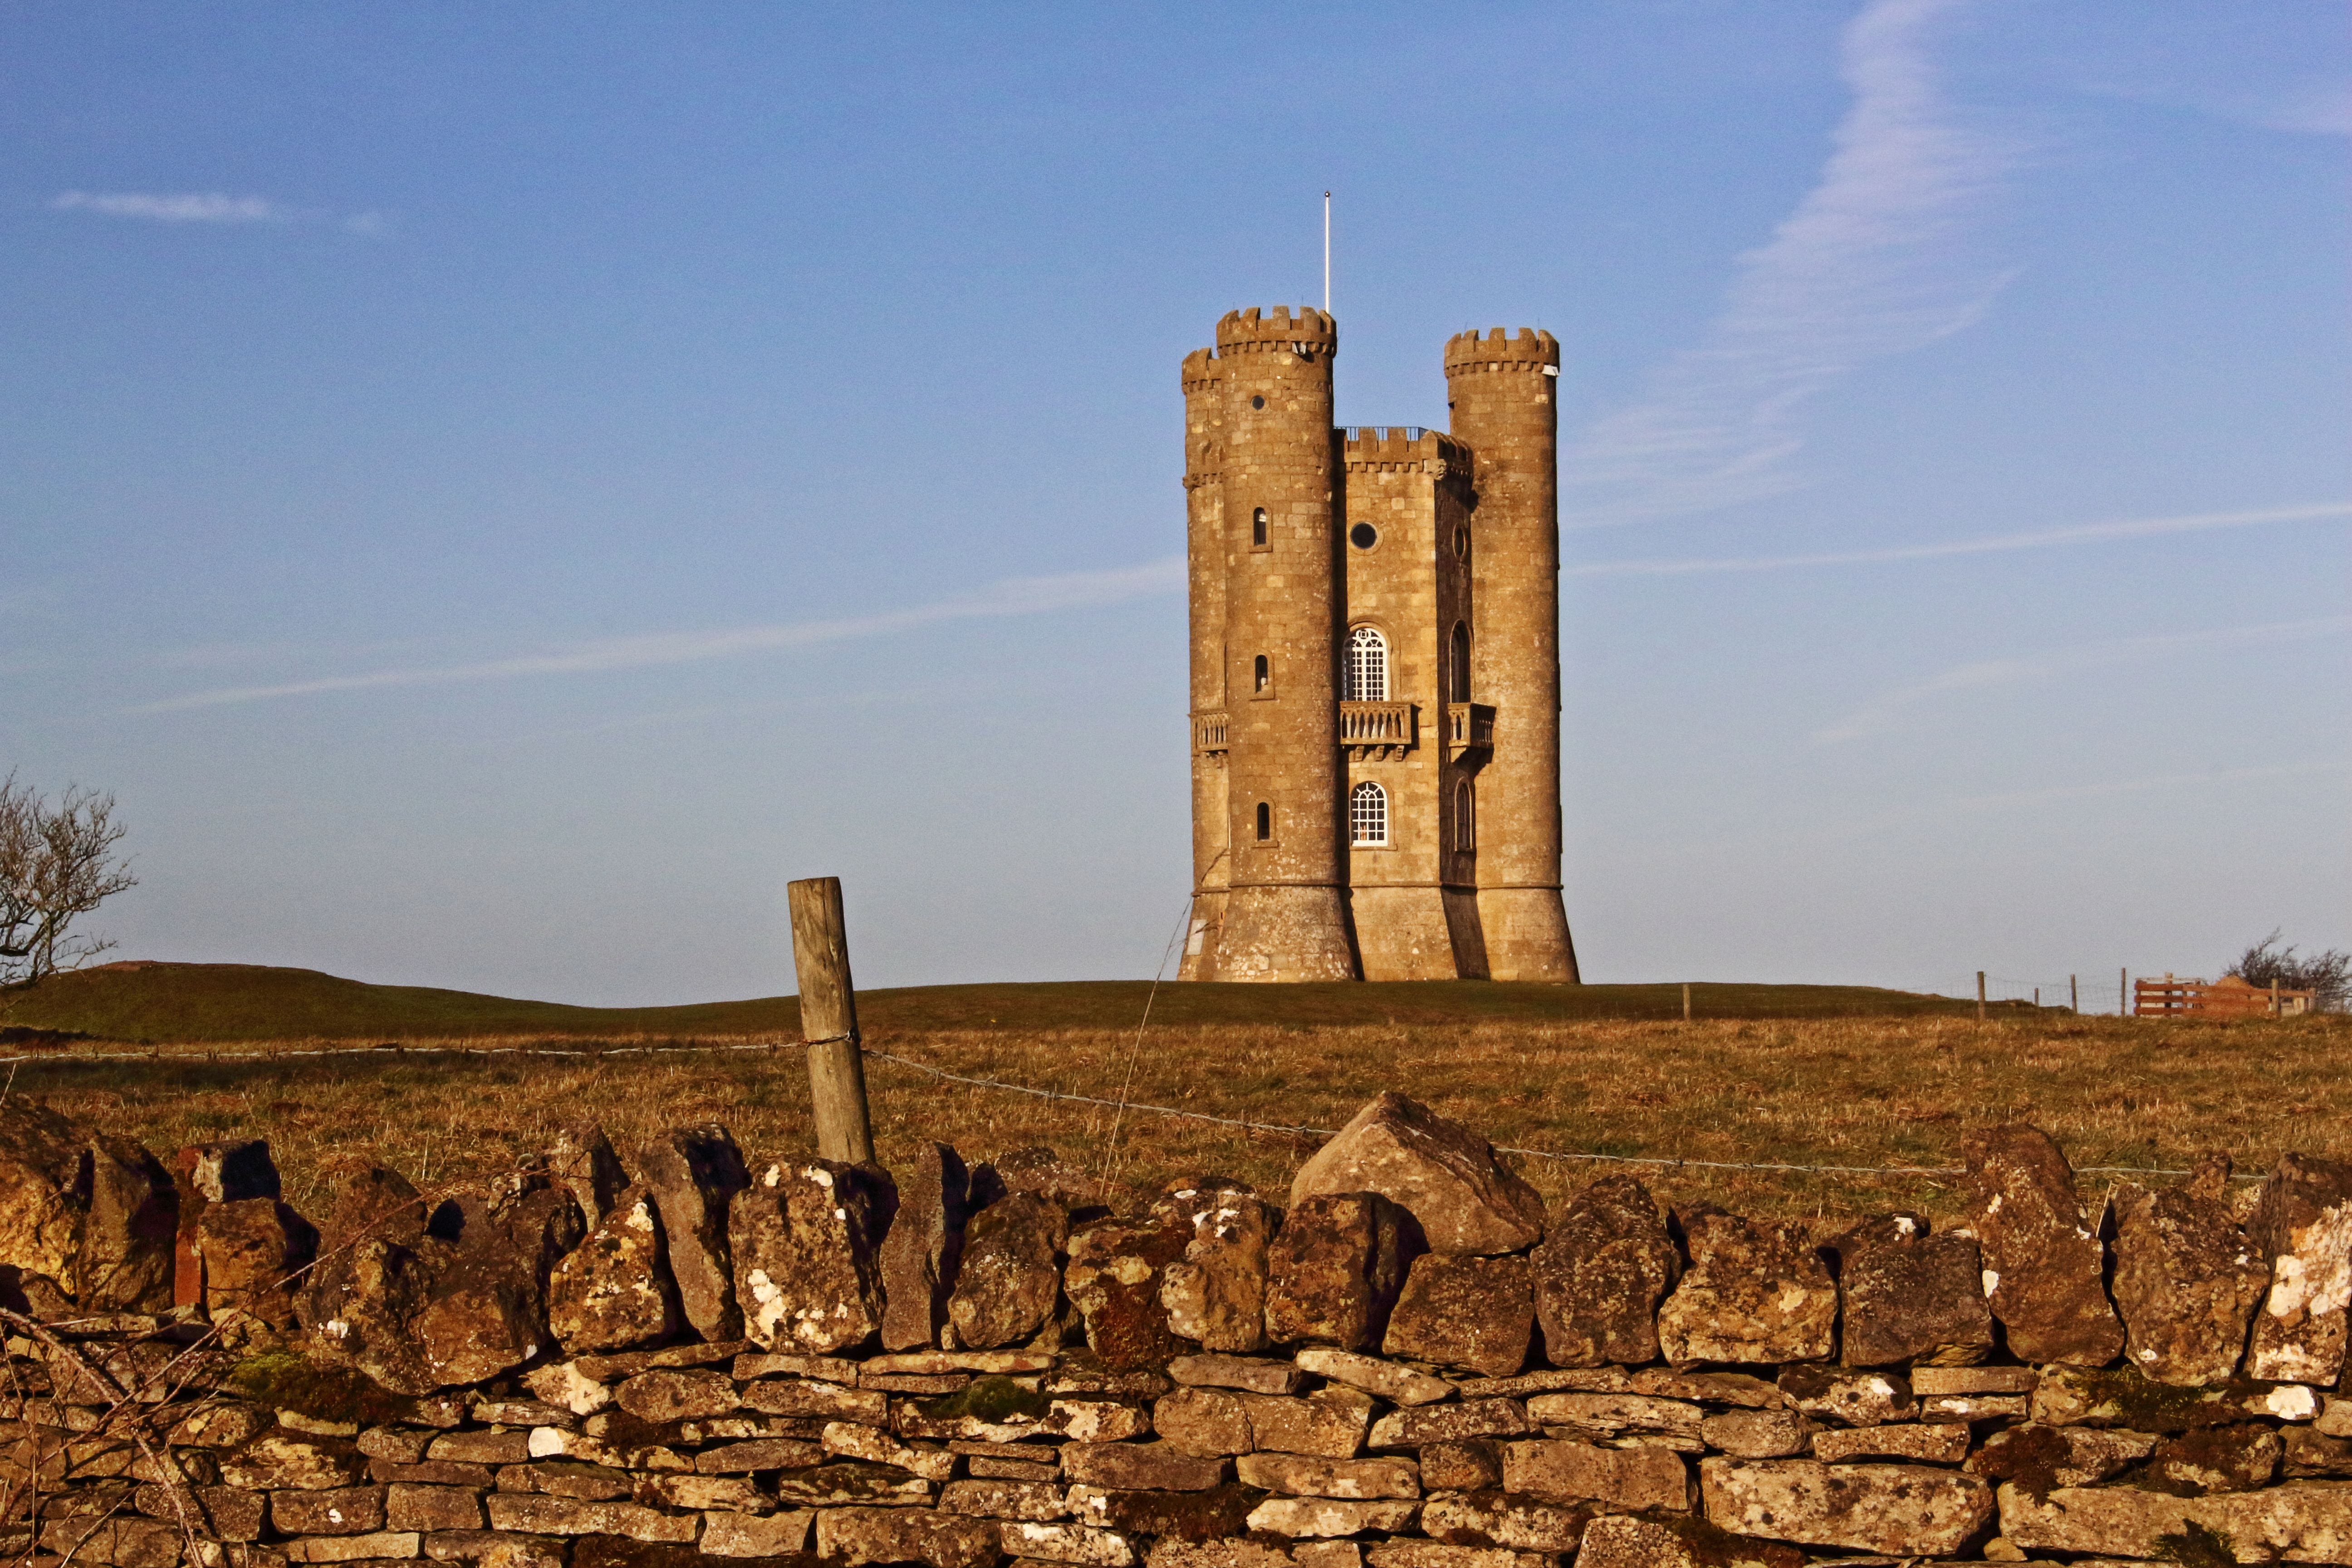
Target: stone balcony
x=1209 y=731
x=1469 y=728
x=1375 y=731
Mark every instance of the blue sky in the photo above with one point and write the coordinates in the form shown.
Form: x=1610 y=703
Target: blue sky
x=495 y=492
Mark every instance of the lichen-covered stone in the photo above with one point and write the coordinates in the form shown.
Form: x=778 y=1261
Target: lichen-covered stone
x=1619 y=1541
x=254 y=1252
x=1450 y=1423
x=2234 y=1459
x=128 y=1226
x=1318 y=1516
x=1498 y=1518
x=581 y=1158
x=1761 y=1434
x=1204 y=1421
x=487 y=1262
x=1331 y=1422
x=1155 y=1466
x=693 y=1174
x=1300 y=1475
x=1472 y=1312
x=1115 y=1272
x=2076 y=1396
x=805 y=1242
x=614 y=1291
x=1756 y=1292
x=1009 y=1280
x=2301 y=1227
x=1334 y=1270
x=1561 y=1471
x=2187 y=1278
x=1466 y=1465
x=1396 y=1384
x=2302 y=1521
x=1945 y=1443
x=1216 y=1292
x=1466 y=1201
x=1208 y=1515
x=1855 y=1397
x=1600 y=1415
x=1906 y=1297
x=1604 y=1266
x=925 y=1243
x=1906 y=1509
x=1212 y=1369
x=40 y=1220
x=2042 y=1261
x=2042 y=1459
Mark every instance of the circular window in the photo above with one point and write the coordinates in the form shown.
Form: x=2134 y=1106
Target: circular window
x=1363 y=536
x=1257 y=403
x=1461 y=542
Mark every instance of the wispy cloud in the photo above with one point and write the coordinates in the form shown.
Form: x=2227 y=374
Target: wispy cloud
x=192 y=206
x=1885 y=712
x=2045 y=539
x=1862 y=268
x=1011 y=597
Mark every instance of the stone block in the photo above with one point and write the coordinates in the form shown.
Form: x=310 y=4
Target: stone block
x=389 y=1546
x=1215 y=1293
x=2187 y=1278
x=877 y=1446
x=2301 y=1227
x=1621 y=1542
x=693 y=1174
x=494 y=1549
x=1577 y=1472
x=1470 y=1312
x=1496 y=1518
x=1144 y=1466
x=805 y=1240
x=536 y=1515
x=1904 y=1509
x=1301 y=1475
x=492 y=1447
x=1909 y=1297
x=1254 y=1376
x=1450 y=1423
x=1334 y=1267
x=852 y=1484
x=2310 y=1453
x=1042 y=1502
x=2040 y=1458
x=1856 y=1398
x=822 y=1401
x=746 y=1535
x=1396 y=1384
x=2237 y=1458
x=614 y=1291
x=857 y=1535
x=1203 y=1421
x=1604 y=1266
x=924 y=1244
x=759 y=1454
x=664 y=1395
x=336 y=1510
x=1757 y=1433
x=1599 y=1415
x=1464 y=1200
x=2302 y=1521
x=229 y=1513
x=253 y=1251
x=1473 y=1464
x=568 y=1478
x=1936 y=1381
x=278 y=1460
x=433 y=1508
x=729 y=1494
x=1407 y=1553
x=1919 y=1445
x=1317 y=1516
x=2075 y=1396
x=1755 y=1291
x=1009 y=1279
x=1078 y=1543
x=1322 y=1423
x=2042 y=1259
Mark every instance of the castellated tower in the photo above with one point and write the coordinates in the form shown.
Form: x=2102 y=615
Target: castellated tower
x=1375 y=668
x=1502 y=395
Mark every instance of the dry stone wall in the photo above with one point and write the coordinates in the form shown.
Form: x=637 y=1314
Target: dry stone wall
x=688 y=1354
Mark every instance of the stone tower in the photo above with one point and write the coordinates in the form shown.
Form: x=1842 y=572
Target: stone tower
x=1375 y=666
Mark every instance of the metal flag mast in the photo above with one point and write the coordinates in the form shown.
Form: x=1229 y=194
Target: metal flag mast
x=1327 y=253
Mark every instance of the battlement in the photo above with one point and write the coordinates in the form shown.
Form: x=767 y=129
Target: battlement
x=1393 y=446
x=1249 y=331
x=1531 y=350
x=1201 y=370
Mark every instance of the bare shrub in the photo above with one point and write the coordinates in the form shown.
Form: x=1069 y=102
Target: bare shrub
x=2327 y=976
x=57 y=864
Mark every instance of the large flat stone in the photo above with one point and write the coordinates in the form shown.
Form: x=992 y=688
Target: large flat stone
x=1158 y=1466
x=924 y=1244
x=2187 y=1278
x=1389 y=1380
x=1301 y=1475
x=1010 y=1274
x=1498 y=1518
x=1326 y=1517
x=693 y=1174
x=1215 y=1293
x=614 y=1291
x=1620 y=1543
x=1902 y=1508
x=2302 y=1226
x=805 y=1240
x=1908 y=1298
x=2304 y=1521
x=1450 y=1423
x=855 y=1535
x=1464 y=1198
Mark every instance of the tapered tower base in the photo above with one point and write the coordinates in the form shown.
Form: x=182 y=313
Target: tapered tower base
x=1285 y=933
x=1201 y=937
x=1527 y=934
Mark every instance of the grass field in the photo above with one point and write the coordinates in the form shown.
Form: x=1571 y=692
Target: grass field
x=1540 y=1068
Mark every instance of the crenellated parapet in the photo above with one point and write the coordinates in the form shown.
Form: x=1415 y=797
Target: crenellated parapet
x=1402 y=449
x=1467 y=353
x=1201 y=371
x=1310 y=331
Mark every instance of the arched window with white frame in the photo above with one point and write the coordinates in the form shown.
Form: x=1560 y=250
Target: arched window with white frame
x=1367 y=816
x=1367 y=674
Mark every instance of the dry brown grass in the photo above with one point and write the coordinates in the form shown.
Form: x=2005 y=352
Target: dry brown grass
x=1864 y=1092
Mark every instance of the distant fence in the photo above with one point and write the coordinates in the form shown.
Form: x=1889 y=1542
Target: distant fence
x=2228 y=998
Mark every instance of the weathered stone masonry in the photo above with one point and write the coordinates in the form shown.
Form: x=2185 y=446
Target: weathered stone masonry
x=1409 y=1363
x=1375 y=666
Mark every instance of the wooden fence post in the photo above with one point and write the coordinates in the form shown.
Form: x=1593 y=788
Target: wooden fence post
x=1980 y=1019
x=2275 y=997
x=829 y=1021
x=1686 y=1001
x=2074 y=997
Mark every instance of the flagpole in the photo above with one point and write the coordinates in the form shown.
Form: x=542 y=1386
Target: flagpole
x=1327 y=253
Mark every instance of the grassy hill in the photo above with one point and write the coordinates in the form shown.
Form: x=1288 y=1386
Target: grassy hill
x=220 y=1002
